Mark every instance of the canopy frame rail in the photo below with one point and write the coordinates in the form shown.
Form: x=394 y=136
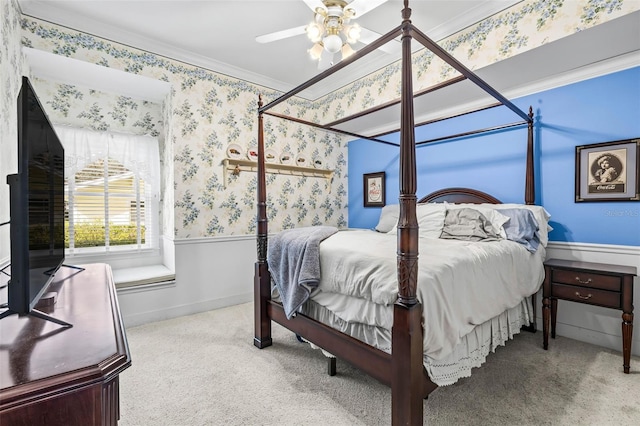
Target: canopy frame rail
x=397 y=101
x=335 y=68
x=324 y=127
x=473 y=132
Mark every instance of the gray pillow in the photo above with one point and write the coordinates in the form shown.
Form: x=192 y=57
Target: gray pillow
x=522 y=228
x=468 y=225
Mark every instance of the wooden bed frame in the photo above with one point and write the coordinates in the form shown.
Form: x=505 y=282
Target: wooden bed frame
x=402 y=370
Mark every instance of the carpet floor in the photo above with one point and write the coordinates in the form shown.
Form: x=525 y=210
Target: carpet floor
x=203 y=369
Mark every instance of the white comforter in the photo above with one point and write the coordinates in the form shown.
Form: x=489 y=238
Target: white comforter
x=461 y=284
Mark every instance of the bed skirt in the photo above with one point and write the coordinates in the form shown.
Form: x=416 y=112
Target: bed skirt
x=470 y=352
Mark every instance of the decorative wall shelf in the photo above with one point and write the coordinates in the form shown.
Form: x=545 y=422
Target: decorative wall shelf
x=235 y=166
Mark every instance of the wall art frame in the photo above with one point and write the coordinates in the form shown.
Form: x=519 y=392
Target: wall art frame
x=608 y=171
x=373 y=189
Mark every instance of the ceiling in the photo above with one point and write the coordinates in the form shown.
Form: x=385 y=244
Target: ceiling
x=220 y=35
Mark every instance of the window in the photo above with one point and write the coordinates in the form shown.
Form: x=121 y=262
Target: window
x=110 y=179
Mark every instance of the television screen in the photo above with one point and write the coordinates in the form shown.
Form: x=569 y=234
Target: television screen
x=36 y=205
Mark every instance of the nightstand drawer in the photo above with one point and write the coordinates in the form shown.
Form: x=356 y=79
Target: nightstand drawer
x=592 y=296
x=586 y=279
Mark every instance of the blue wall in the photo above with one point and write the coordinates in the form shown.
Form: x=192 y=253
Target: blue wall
x=602 y=109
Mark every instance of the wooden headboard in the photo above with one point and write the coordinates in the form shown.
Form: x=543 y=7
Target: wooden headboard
x=459 y=195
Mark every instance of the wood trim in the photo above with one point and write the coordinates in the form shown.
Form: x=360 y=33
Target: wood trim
x=394 y=102
x=372 y=361
x=459 y=195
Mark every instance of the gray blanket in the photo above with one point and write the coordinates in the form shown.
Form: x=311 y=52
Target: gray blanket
x=293 y=256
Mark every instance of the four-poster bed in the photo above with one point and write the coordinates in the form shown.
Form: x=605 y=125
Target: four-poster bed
x=403 y=367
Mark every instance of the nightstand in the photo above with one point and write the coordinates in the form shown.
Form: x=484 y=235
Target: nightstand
x=598 y=284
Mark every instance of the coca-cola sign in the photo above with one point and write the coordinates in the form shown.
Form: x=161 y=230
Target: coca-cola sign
x=373 y=189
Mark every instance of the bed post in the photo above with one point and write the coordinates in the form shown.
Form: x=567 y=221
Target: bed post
x=407 y=352
x=262 y=279
x=529 y=186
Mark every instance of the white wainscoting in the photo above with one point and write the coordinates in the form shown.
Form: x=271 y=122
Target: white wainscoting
x=211 y=273
x=593 y=324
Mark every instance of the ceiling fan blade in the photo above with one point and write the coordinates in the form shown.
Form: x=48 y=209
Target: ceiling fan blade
x=279 y=35
x=314 y=4
x=367 y=36
x=326 y=60
x=363 y=6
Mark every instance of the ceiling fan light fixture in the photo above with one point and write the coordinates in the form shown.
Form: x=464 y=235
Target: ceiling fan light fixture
x=316 y=51
x=349 y=13
x=353 y=33
x=314 y=32
x=347 y=51
x=333 y=43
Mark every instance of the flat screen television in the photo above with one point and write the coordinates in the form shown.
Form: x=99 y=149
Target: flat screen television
x=36 y=208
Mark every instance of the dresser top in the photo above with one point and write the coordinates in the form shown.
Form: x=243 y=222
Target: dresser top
x=591 y=266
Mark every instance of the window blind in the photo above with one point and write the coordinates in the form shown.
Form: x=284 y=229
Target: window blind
x=112 y=191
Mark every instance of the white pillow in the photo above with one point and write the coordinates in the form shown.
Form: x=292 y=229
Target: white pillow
x=430 y=220
x=388 y=218
x=496 y=218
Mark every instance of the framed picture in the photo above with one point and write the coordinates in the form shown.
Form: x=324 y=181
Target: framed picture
x=608 y=171
x=373 y=189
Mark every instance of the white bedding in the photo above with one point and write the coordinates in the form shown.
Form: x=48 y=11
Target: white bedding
x=461 y=284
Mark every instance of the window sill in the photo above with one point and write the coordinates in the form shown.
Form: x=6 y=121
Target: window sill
x=142 y=275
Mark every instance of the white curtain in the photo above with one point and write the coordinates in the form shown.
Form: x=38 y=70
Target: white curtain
x=139 y=154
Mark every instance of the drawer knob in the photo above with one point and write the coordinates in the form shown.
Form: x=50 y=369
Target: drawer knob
x=583 y=282
x=587 y=297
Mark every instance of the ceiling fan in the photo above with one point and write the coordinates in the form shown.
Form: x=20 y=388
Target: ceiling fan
x=332 y=29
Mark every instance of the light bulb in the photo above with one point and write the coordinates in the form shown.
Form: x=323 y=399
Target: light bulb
x=314 y=32
x=332 y=43
x=316 y=51
x=353 y=33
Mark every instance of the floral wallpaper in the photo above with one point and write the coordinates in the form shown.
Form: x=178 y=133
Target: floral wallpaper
x=100 y=111
x=11 y=68
x=206 y=112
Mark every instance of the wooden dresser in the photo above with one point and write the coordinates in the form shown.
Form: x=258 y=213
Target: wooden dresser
x=50 y=375
x=598 y=284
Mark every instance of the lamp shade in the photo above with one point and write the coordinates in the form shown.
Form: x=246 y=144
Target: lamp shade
x=347 y=51
x=332 y=43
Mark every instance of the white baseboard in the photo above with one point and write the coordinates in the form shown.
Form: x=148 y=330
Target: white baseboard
x=139 y=318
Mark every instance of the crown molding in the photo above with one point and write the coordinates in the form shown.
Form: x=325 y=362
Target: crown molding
x=598 y=69
x=66 y=70
x=480 y=12
x=58 y=16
